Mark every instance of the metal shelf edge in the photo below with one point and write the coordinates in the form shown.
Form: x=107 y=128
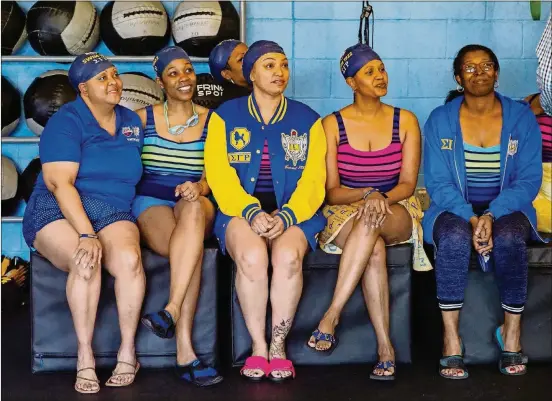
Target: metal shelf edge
x=12 y=219
x=120 y=59
x=20 y=139
x=69 y=59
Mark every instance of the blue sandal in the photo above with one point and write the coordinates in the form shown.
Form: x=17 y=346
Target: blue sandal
x=508 y=359
x=199 y=374
x=319 y=336
x=454 y=362
x=160 y=323
x=385 y=365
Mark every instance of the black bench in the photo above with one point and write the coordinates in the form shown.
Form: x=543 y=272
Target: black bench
x=54 y=343
x=357 y=340
x=482 y=313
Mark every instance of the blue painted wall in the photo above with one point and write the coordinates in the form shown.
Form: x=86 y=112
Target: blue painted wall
x=417 y=41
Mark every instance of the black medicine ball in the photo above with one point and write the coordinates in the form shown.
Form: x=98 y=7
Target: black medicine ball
x=208 y=93
x=61 y=28
x=14 y=33
x=11 y=107
x=46 y=94
x=198 y=26
x=135 y=28
x=28 y=178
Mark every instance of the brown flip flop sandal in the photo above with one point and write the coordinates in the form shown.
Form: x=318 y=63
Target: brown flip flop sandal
x=111 y=383
x=94 y=389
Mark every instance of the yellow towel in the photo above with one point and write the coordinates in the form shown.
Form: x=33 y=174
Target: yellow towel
x=339 y=215
x=543 y=201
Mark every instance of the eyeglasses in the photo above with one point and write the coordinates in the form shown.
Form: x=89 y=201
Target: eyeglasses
x=484 y=66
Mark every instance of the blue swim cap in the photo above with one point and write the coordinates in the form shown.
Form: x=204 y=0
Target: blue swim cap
x=255 y=51
x=356 y=57
x=218 y=59
x=87 y=66
x=164 y=57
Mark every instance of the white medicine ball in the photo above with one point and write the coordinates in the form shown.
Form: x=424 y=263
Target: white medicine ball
x=59 y=28
x=198 y=26
x=135 y=28
x=139 y=91
x=10 y=178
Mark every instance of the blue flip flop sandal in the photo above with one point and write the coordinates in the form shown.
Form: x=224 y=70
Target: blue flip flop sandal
x=454 y=362
x=508 y=359
x=385 y=365
x=319 y=336
x=199 y=374
x=160 y=323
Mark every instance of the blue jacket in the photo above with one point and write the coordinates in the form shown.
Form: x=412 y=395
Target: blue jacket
x=297 y=146
x=445 y=166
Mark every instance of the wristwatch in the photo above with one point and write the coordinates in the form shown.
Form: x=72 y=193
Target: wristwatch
x=488 y=213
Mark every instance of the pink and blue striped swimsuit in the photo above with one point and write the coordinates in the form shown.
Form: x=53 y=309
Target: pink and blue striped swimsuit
x=378 y=169
x=545 y=124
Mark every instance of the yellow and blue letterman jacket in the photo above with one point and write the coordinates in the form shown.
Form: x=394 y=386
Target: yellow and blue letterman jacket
x=297 y=145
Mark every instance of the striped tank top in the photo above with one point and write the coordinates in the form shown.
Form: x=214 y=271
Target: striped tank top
x=483 y=175
x=545 y=124
x=264 y=189
x=378 y=169
x=168 y=163
x=264 y=181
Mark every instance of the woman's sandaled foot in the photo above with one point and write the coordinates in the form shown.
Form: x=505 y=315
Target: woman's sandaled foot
x=199 y=374
x=87 y=382
x=160 y=323
x=281 y=369
x=383 y=370
x=255 y=368
x=451 y=365
x=510 y=363
x=123 y=374
x=327 y=327
x=324 y=338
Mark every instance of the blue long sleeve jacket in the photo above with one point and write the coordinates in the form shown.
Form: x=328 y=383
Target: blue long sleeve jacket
x=445 y=166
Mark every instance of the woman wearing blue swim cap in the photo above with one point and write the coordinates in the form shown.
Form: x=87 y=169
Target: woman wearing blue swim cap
x=225 y=63
x=172 y=206
x=372 y=168
x=78 y=216
x=264 y=159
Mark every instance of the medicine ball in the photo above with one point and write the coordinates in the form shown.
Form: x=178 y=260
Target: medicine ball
x=46 y=94
x=11 y=107
x=10 y=181
x=139 y=91
x=209 y=93
x=199 y=26
x=28 y=178
x=135 y=28
x=14 y=33
x=60 y=28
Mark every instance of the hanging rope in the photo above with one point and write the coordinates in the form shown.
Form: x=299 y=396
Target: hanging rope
x=367 y=11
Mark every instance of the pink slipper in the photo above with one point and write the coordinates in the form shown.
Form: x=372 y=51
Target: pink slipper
x=255 y=362
x=280 y=364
